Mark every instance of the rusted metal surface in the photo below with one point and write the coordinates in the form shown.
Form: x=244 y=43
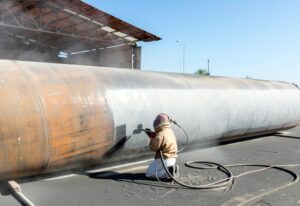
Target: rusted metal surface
x=51 y=119
x=78 y=119
x=23 y=141
x=55 y=117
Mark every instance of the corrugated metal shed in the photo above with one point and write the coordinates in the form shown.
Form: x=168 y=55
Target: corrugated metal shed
x=64 y=25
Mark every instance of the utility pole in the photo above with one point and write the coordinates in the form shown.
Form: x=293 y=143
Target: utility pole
x=183 y=58
x=208 y=66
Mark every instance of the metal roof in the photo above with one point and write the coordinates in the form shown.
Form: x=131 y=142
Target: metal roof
x=68 y=25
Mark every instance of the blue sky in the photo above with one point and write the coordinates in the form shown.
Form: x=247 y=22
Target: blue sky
x=257 y=38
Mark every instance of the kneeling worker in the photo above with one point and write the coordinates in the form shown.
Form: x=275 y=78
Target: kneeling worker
x=162 y=139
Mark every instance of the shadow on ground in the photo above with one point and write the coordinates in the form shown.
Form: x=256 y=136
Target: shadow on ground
x=119 y=176
x=136 y=178
x=286 y=136
x=4 y=190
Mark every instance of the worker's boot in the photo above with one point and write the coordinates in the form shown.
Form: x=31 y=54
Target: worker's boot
x=174 y=170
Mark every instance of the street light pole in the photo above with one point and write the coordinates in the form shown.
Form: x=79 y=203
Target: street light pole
x=183 y=55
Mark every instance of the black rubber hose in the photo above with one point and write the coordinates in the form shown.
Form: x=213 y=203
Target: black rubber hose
x=185 y=133
x=223 y=183
x=224 y=168
x=228 y=181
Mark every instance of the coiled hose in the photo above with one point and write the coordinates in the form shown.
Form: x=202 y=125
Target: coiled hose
x=226 y=182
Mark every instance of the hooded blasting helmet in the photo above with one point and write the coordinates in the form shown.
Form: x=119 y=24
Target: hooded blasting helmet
x=160 y=121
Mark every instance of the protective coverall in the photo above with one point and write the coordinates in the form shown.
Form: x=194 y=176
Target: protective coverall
x=165 y=141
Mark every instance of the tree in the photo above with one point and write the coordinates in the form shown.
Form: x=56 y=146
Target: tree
x=248 y=77
x=202 y=72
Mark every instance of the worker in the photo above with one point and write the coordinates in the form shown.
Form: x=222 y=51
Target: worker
x=163 y=139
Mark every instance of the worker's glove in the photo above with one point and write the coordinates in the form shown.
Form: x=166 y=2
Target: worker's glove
x=150 y=133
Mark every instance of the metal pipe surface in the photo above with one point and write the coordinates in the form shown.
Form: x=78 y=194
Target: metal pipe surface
x=56 y=117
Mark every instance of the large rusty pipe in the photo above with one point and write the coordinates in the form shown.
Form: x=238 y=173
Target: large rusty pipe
x=55 y=117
